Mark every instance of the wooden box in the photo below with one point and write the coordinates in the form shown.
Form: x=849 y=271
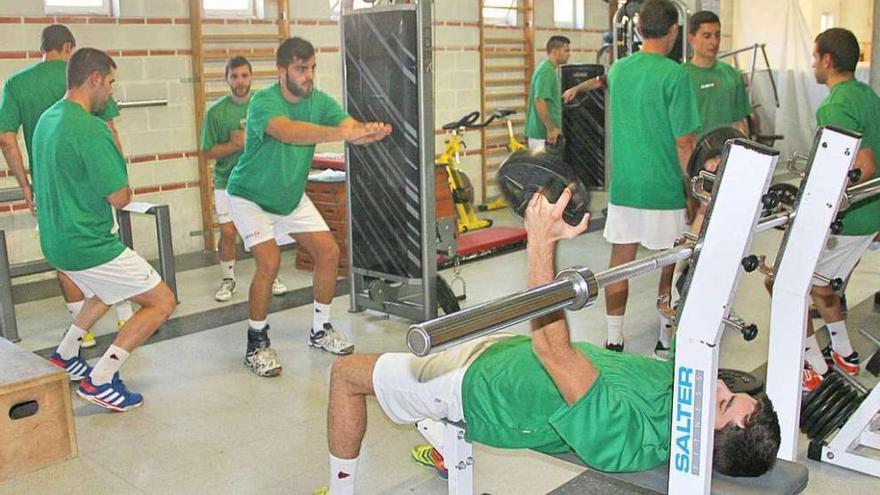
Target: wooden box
x=37 y=395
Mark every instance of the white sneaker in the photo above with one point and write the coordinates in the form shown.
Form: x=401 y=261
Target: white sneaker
x=330 y=340
x=263 y=362
x=226 y=290
x=279 y=288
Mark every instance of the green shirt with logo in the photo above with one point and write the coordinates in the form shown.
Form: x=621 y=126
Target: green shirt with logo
x=29 y=92
x=721 y=95
x=854 y=106
x=621 y=424
x=271 y=173
x=652 y=103
x=223 y=117
x=544 y=85
x=79 y=166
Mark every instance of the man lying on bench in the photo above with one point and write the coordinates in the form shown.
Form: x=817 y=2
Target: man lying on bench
x=542 y=393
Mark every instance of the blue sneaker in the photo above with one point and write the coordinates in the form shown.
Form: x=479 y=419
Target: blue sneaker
x=112 y=395
x=76 y=367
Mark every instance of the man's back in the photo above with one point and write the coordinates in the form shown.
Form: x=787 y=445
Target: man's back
x=652 y=103
x=621 y=424
x=28 y=93
x=853 y=105
x=79 y=166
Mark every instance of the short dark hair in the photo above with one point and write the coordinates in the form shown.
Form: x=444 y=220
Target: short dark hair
x=700 y=18
x=557 y=41
x=749 y=451
x=84 y=63
x=54 y=37
x=843 y=47
x=292 y=48
x=656 y=17
x=236 y=62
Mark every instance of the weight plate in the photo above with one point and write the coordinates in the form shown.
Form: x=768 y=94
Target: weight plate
x=740 y=381
x=824 y=407
x=828 y=416
x=838 y=420
x=524 y=173
x=828 y=386
x=446 y=299
x=709 y=146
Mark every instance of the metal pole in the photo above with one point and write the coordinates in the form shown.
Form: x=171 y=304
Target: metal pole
x=8 y=325
x=166 y=248
x=141 y=103
x=860 y=192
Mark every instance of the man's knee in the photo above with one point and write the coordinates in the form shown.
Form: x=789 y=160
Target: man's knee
x=267 y=258
x=354 y=372
x=327 y=251
x=227 y=232
x=162 y=299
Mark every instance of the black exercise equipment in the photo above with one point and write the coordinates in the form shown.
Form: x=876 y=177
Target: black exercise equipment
x=710 y=146
x=524 y=173
x=827 y=408
x=740 y=381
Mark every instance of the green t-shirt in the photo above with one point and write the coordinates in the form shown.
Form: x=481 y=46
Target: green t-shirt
x=544 y=85
x=652 y=103
x=853 y=105
x=223 y=117
x=271 y=173
x=79 y=166
x=621 y=424
x=29 y=92
x=721 y=95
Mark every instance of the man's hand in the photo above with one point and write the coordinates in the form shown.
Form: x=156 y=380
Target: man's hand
x=569 y=94
x=236 y=138
x=366 y=132
x=29 y=198
x=552 y=135
x=544 y=222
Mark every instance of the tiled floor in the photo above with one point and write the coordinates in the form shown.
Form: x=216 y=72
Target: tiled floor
x=210 y=426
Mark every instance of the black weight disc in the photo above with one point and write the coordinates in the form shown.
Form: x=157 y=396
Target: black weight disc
x=710 y=146
x=524 y=173
x=446 y=299
x=828 y=386
x=786 y=195
x=838 y=420
x=740 y=381
x=824 y=407
x=831 y=413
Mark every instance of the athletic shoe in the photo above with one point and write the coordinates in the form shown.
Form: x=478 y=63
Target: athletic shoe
x=614 y=347
x=279 y=288
x=321 y=491
x=260 y=357
x=330 y=340
x=826 y=355
x=226 y=290
x=811 y=379
x=76 y=367
x=849 y=364
x=112 y=395
x=426 y=455
x=660 y=351
x=88 y=340
x=120 y=324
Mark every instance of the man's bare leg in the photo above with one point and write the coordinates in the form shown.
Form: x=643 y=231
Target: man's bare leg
x=267 y=257
x=617 y=294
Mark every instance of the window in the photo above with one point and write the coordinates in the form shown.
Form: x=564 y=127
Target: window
x=101 y=7
x=568 y=13
x=826 y=21
x=335 y=6
x=500 y=12
x=232 y=8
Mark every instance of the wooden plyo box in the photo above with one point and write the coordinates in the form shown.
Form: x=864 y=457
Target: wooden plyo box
x=31 y=387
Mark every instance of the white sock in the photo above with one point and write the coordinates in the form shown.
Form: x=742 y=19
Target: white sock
x=108 y=365
x=342 y=475
x=69 y=346
x=615 y=329
x=665 y=330
x=813 y=355
x=123 y=311
x=840 y=338
x=320 y=315
x=257 y=324
x=74 y=308
x=227 y=268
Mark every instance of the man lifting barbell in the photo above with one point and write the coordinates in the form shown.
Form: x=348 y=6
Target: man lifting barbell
x=542 y=393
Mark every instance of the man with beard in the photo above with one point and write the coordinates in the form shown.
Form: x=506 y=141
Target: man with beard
x=26 y=95
x=223 y=141
x=267 y=193
x=81 y=175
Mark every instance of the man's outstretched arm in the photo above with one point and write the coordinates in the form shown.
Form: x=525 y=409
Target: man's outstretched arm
x=570 y=370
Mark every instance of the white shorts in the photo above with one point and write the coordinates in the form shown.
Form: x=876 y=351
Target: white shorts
x=256 y=226
x=221 y=206
x=654 y=229
x=124 y=277
x=537 y=144
x=840 y=255
x=411 y=388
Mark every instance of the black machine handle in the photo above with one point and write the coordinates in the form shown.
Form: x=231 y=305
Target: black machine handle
x=469 y=121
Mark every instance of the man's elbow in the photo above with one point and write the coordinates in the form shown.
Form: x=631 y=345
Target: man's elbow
x=8 y=141
x=686 y=143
